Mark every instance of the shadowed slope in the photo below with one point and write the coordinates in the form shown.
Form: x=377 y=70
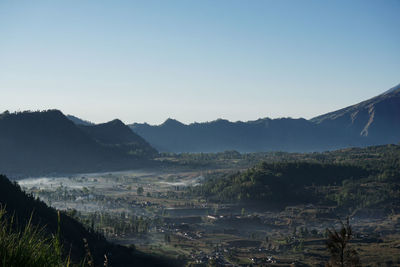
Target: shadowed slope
x=116 y=134
x=21 y=206
x=44 y=142
x=374 y=121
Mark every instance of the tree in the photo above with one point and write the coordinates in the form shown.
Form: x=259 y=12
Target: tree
x=140 y=190
x=243 y=212
x=338 y=246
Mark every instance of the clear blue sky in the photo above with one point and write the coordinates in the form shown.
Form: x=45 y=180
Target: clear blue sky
x=145 y=61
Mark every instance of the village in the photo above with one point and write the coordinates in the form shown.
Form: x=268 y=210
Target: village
x=149 y=211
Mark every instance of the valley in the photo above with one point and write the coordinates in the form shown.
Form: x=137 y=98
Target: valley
x=200 y=133
x=159 y=212
x=255 y=193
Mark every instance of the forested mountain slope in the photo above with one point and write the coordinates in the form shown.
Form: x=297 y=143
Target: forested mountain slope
x=116 y=134
x=355 y=179
x=48 y=142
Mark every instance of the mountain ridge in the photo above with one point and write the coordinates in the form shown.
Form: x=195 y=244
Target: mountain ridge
x=79 y=121
x=116 y=133
x=374 y=118
x=371 y=122
x=33 y=143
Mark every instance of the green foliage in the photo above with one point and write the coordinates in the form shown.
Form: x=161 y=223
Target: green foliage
x=46 y=227
x=140 y=190
x=366 y=193
x=353 y=179
x=118 y=224
x=384 y=159
x=29 y=246
x=276 y=183
x=339 y=248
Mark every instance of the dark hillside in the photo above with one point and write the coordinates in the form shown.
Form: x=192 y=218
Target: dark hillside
x=21 y=206
x=79 y=121
x=33 y=143
x=116 y=134
x=278 y=184
x=365 y=180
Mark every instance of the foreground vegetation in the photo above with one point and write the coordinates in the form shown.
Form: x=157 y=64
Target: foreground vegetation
x=36 y=233
x=29 y=246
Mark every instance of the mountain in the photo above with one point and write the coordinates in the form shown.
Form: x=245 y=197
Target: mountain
x=25 y=208
x=33 y=143
x=372 y=122
x=116 y=134
x=79 y=121
x=221 y=135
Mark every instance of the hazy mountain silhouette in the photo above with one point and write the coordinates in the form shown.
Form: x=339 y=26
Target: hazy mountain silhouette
x=44 y=142
x=221 y=135
x=116 y=134
x=79 y=121
x=372 y=122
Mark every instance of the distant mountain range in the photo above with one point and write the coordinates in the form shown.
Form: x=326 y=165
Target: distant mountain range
x=372 y=122
x=33 y=143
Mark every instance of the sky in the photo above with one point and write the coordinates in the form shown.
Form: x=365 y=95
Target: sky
x=146 y=61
